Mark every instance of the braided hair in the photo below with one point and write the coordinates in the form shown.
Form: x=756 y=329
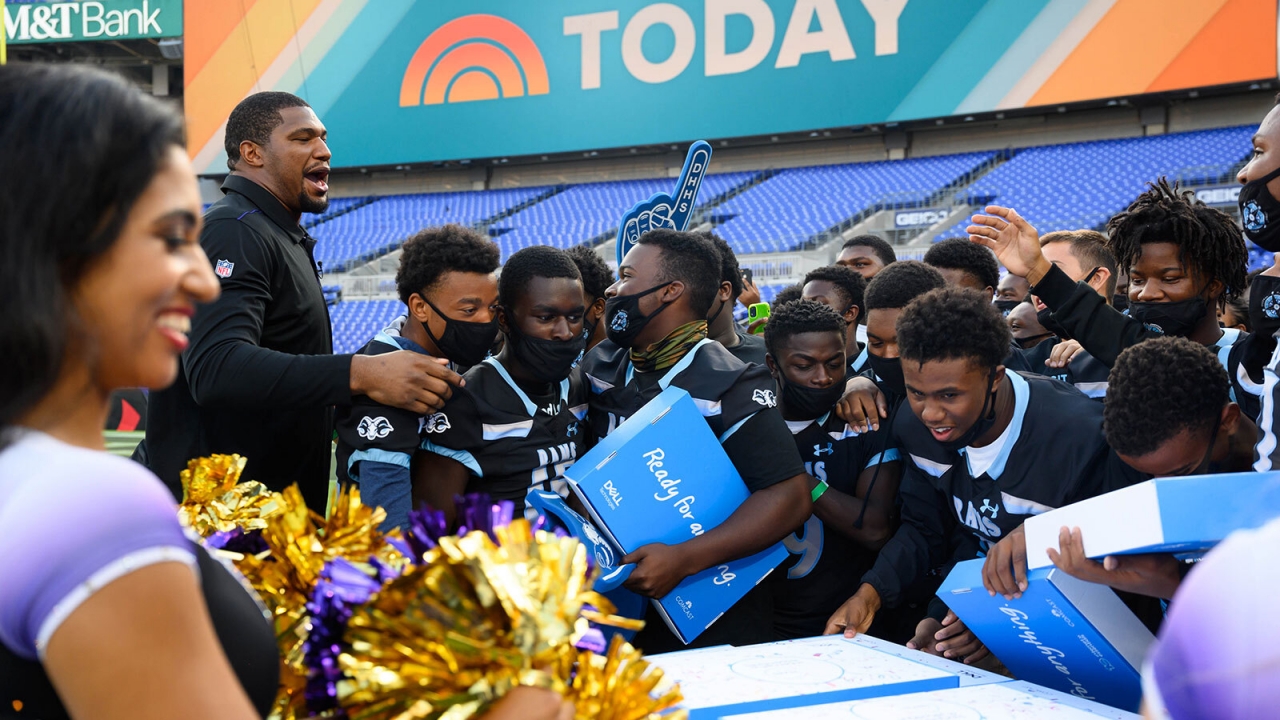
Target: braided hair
x=1209 y=242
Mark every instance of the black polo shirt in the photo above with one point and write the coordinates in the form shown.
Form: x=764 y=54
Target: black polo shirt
x=259 y=377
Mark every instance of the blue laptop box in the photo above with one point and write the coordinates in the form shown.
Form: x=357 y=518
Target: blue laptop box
x=662 y=477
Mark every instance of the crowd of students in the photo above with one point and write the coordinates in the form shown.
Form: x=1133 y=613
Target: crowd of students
x=890 y=418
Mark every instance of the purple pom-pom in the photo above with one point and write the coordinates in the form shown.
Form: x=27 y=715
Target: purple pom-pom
x=341 y=587
x=238 y=541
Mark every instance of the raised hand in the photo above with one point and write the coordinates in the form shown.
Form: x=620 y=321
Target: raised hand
x=1014 y=241
x=668 y=211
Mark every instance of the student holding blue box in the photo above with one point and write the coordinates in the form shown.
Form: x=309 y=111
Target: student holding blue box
x=1169 y=414
x=657 y=337
x=988 y=449
x=854 y=476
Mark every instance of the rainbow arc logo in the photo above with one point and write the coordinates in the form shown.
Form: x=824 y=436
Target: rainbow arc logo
x=476 y=57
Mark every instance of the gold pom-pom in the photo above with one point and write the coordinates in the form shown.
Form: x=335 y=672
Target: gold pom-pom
x=479 y=618
x=214 y=499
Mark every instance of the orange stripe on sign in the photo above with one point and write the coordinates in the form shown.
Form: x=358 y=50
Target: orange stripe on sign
x=206 y=26
x=1127 y=50
x=1238 y=45
x=234 y=68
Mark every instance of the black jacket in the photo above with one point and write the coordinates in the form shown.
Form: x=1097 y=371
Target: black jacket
x=1054 y=455
x=1105 y=332
x=259 y=377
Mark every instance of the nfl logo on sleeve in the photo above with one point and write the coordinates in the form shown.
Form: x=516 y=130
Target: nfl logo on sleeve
x=224 y=268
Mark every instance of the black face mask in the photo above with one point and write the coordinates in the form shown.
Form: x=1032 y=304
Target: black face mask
x=464 y=343
x=1047 y=321
x=622 y=313
x=1006 y=306
x=809 y=403
x=1260 y=212
x=546 y=361
x=1027 y=343
x=1174 y=319
x=715 y=314
x=1120 y=301
x=986 y=419
x=889 y=372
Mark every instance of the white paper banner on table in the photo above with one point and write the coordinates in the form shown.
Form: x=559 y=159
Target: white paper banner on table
x=1007 y=701
x=793 y=673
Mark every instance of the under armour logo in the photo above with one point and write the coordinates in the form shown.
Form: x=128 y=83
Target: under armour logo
x=571 y=430
x=436 y=423
x=819 y=450
x=765 y=398
x=986 y=505
x=619 y=322
x=371 y=428
x=1252 y=216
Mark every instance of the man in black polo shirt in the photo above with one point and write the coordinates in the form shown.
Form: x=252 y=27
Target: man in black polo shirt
x=259 y=377
x=655 y=315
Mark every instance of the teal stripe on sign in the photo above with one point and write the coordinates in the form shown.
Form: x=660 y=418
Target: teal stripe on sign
x=298 y=82
x=1024 y=52
x=966 y=61
x=355 y=43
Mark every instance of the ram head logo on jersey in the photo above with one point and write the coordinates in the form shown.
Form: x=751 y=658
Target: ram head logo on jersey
x=619 y=322
x=374 y=428
x=436 y=423
x=765 y=398
x=1253 y=217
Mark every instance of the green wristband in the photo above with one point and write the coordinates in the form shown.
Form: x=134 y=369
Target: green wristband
x=819 y=490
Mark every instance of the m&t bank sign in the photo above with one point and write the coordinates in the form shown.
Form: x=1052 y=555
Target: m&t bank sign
x=42 y=22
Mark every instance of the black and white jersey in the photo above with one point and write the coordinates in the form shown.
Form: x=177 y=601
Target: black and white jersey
x=750 y=348
x=1052 y=453
x=509 y=439
x=858 y=363
x=825 y=566
x=1084 y=372
x=1231 y=349
x=369 y=431
x=738 y=401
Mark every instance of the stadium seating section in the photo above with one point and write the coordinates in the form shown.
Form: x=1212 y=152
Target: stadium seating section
x=1059 y=186
x=584 y=212
x=1081 y=185
x=789 y=208
x=369 y=227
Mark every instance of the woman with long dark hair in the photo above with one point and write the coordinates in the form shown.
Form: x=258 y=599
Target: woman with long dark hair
x=106 y=609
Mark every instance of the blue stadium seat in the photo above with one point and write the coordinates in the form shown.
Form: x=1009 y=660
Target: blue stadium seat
x=1081 y=185
x=791 y=207
x=585 y=211
x=384 y=224
x=355 y=322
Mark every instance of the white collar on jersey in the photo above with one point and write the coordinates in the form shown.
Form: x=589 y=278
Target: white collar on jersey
x=1021 y=398
x=529 y=406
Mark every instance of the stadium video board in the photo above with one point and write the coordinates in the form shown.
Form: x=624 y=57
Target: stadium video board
x=409 y=81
